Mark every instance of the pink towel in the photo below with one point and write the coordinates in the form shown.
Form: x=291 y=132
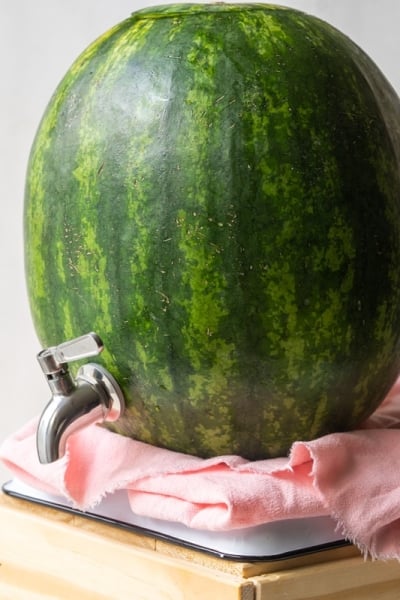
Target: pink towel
x=354 y=477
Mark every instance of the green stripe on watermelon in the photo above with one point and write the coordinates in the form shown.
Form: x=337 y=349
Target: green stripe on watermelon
x=214 y=189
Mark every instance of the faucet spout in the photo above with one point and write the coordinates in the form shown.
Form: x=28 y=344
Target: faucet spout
x=63 y=416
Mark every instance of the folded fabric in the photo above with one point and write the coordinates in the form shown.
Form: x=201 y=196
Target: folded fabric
x=353 y=477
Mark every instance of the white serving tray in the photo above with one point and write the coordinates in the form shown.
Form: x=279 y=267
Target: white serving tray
x=271 y=541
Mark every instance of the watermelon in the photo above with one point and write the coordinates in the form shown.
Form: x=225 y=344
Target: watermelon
x=215 y=190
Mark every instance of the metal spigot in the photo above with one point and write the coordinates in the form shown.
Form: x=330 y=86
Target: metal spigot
x=92 y=397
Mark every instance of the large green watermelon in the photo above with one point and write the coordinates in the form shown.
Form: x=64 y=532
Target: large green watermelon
x=215 y=190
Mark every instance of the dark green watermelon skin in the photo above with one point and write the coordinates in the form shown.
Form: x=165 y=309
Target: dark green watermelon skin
x=215 y=190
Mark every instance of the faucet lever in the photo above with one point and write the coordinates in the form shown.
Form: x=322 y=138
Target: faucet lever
x=92 y=396
x=81 y=347
x=54 y=358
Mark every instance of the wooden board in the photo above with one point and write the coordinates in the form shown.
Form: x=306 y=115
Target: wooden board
x=50 y=554
x=346 y=579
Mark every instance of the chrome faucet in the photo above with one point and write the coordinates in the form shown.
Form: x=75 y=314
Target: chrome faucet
x=92 y=397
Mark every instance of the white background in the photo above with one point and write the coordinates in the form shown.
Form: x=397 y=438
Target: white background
x=39 y=39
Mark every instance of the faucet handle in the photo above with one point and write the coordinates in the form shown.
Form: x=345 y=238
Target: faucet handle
x=81 y=347
x=52 y=359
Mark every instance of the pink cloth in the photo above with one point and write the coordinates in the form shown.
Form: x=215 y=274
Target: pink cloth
x=354 y=477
